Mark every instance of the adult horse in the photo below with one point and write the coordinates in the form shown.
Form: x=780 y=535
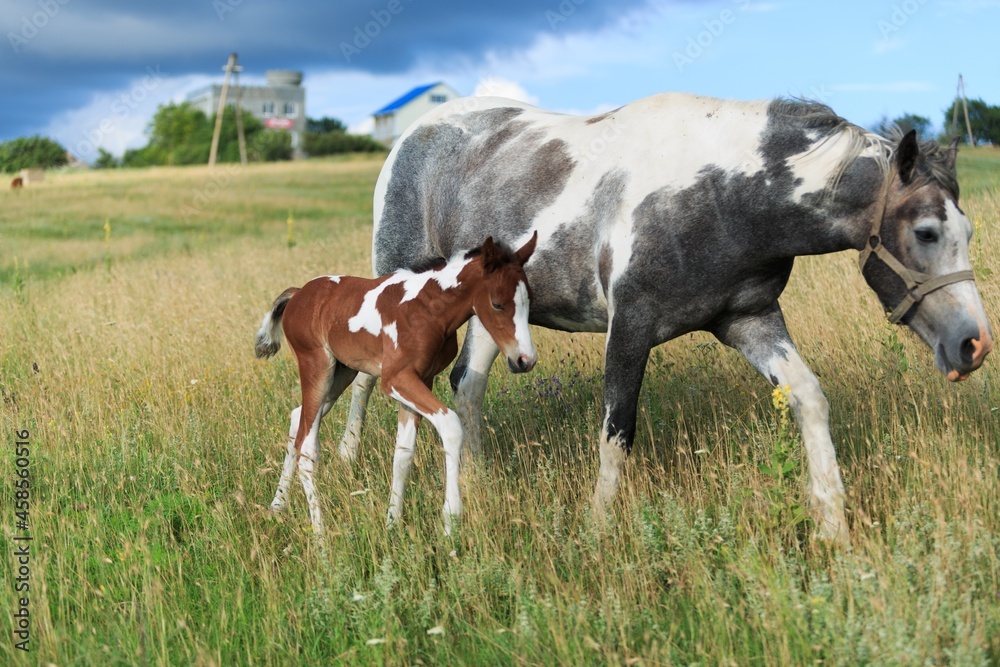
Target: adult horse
x=679 y=213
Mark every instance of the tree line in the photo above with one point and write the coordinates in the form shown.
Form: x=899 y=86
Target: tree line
x=179 y=134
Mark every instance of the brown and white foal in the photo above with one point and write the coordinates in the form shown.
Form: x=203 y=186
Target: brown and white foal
x=402 y=327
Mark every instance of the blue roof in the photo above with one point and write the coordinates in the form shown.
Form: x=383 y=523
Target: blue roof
x=395 y=104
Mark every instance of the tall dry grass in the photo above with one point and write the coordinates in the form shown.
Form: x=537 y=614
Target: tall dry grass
x=157 y=440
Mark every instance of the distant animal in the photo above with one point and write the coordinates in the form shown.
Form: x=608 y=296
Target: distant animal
x=679 y=213
x=401 y=327
x=17 y=183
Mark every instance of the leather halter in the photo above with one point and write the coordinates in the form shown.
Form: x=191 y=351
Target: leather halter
x=918 y=285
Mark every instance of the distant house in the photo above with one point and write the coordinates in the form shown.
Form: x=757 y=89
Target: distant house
x=280 y=105
x=393 y=119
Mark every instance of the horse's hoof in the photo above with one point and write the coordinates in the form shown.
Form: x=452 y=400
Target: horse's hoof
x=277 y=507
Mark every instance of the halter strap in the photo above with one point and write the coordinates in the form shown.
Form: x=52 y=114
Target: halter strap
x=918 y=285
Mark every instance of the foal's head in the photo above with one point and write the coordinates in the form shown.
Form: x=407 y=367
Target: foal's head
x=501 y=302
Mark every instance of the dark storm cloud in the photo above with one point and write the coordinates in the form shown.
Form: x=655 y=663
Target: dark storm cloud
x=55 y=54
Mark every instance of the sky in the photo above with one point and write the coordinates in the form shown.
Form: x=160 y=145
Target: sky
x=91 y=73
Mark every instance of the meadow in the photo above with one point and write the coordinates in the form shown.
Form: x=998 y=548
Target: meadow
x=129 y=300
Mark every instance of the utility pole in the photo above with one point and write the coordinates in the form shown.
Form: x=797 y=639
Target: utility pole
x=230 y=68
x=239 y=120
x=965 y=107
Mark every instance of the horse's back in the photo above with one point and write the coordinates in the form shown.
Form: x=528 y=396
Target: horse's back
x=479 y=167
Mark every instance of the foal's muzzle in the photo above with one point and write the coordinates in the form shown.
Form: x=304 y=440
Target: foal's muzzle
x=521 y=364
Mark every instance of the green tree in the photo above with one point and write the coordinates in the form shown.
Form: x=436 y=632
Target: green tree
x=912 y=121
x=30 y=152
x=316 y=144
x=904 y=123
x=174 y=128
x=105 y=160
x=984 y=119
x=271 y=146
x=325 y=125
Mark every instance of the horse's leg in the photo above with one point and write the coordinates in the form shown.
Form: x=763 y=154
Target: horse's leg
x=281 y=495
x=468 y=381
x=410 y=390
x=342 y=377
x=360 y=393
x=406 y=440
x=764 y=341
x=626 y=353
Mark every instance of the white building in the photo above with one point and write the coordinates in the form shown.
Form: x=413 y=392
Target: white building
x=281 y=104
x=393 y=119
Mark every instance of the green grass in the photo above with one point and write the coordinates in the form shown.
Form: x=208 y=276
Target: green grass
x=157 y=441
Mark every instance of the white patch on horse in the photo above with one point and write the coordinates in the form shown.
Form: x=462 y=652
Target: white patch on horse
x=446 y=277
x=335 y=279
x=368 y=317
x=390 y=331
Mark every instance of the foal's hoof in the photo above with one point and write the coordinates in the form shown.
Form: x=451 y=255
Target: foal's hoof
x=833 y=533
x=277 y=506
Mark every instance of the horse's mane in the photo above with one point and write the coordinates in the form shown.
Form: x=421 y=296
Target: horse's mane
x=933 y=163
x=431 y=264
x=504 y=252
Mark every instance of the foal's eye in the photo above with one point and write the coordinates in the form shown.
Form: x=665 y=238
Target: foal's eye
x=497 y=306
x=926 y=235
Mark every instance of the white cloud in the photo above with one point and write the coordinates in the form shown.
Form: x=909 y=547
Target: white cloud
x=497 y=86
x=117 y=121
x=366 y=126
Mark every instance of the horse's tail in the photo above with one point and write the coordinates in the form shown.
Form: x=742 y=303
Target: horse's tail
x=270 y=334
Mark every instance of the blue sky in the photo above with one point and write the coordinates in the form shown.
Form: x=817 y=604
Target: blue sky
x=91 y=72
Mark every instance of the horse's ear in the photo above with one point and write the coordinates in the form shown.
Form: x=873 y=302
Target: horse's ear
x=906 y=155
x=951 y=153
x=524 y=254
x=491 y=258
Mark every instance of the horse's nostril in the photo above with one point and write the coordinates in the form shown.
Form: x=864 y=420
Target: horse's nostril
x=967 y=350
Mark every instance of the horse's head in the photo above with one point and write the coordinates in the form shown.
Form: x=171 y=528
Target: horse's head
x=917 y=258
x=502 y=303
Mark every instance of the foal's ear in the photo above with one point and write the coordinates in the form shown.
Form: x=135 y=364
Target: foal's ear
x=524 y=254
x=906 y=155
x=491 y=257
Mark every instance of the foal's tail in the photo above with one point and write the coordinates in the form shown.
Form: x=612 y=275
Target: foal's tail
x=270 y=334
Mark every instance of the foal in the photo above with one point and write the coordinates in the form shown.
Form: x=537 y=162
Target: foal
x=401 y=326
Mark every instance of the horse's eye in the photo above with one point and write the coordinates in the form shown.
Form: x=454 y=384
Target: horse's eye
x=926 y=235
x=497 y=306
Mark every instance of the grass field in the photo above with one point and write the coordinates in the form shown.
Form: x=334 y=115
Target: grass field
x=128 y=305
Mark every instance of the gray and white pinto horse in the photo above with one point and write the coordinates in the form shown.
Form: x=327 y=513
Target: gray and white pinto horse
x=679 y=213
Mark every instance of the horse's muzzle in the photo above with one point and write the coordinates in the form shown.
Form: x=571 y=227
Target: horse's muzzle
x=966 y=350
x=521 y=364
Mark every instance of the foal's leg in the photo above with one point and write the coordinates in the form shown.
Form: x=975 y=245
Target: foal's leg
x=360 y=392
x=342 y=376
x=625 y=355
x=406 y=440
x=764 y=341
x=321 y=385
x=469 y=378
x=411 y=391
x=281 y=495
